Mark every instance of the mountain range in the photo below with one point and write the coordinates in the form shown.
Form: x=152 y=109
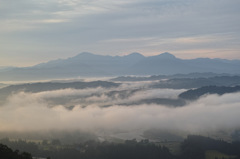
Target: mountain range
x=92 y=65
x=164 y=77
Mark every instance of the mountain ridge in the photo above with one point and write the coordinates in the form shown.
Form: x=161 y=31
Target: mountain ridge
x=91 y=65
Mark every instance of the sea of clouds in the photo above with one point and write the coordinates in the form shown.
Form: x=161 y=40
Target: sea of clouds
x=96 y=109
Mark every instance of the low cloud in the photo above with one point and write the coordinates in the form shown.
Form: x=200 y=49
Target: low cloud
x=32 y=112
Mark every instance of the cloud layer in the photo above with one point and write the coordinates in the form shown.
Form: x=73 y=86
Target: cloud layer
x=44 y=30
x=36 y=112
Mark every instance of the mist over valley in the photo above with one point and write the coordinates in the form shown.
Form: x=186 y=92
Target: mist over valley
x=112 y=107
x=101 y=79
x=141 y=109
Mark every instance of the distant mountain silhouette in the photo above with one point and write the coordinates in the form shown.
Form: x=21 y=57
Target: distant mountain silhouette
x=90 y=65
x=163 y=77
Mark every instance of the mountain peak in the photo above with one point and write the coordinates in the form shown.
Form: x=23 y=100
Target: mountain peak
x=167 y=55
x=85 y=54
x=135 y=54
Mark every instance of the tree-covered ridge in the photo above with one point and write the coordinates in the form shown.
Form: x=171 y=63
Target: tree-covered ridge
x=196 y=146
x=193 y=147
x=194 y=94
x=8 y=153
x=189 y=83
x=49 y=86
x=130 y=149
x=174 y=76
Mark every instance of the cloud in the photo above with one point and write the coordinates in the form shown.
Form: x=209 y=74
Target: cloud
x=32 y=112
x=44 y=30
x=127 y=93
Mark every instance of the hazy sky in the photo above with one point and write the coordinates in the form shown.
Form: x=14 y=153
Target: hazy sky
x=33 y=31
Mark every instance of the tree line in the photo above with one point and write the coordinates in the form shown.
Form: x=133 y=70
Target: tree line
x=192 y=147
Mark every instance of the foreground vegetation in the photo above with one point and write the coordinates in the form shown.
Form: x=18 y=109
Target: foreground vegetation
x=212 y=154
x=196 y=147
x=8 y=153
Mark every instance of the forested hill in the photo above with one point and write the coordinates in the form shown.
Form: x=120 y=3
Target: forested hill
x=8 y=153
x=48 y=86
x=193 y=147
x=188 y=83
x=194 y=75
x=194 y=94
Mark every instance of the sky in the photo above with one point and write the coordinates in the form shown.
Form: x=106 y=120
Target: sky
x=35 y=31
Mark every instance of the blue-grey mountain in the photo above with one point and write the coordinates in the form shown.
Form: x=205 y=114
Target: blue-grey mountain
x=91 y=65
